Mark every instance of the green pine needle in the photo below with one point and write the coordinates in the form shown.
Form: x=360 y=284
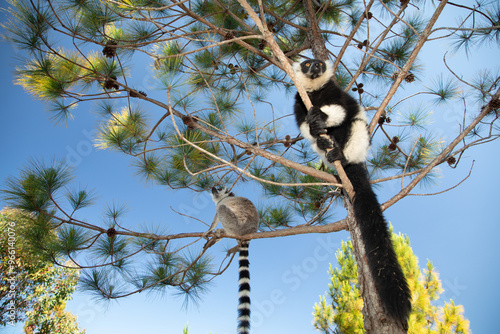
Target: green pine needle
x=71 y=239
x=80 y=198
x=115 y=211
x=444 y=89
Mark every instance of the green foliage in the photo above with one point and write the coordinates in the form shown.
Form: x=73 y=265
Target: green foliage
x=467 y=39
x=342 y=313
x=169 y=59
x=29 y=26
x=124 y=130
x=36 y=192
x=33 y=289
x=33 y=190
x=346 y=302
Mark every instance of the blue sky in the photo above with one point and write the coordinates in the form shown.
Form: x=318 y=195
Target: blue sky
x=458 y=230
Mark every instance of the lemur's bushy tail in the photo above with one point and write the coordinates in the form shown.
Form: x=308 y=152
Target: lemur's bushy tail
x=244 y=290
x=382 y=260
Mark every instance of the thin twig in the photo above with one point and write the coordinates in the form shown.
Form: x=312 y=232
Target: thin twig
x=446 y=190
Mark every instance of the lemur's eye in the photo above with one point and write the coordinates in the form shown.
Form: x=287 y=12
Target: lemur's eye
x=308 y=64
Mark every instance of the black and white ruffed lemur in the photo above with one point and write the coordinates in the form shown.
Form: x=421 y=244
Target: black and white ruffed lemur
x=238 y=216
x=338 y=115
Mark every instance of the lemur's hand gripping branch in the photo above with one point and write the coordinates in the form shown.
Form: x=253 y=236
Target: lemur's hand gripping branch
x=346 y=183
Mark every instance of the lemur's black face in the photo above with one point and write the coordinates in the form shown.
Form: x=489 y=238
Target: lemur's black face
x=313 y=68
x=221 y=192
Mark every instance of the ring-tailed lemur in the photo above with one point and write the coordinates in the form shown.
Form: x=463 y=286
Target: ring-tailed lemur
x=338 y=115
x=238 y=216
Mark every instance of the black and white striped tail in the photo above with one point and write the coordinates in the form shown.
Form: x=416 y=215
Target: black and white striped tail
x=244 y=290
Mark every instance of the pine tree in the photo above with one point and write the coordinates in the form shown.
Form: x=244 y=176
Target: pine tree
x=210 y=117
x=342 y=312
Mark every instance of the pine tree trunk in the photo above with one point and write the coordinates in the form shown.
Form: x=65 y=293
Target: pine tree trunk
x=375 y=319
x=314 y=37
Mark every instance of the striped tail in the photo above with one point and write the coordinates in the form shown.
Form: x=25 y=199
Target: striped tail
x=244 y=290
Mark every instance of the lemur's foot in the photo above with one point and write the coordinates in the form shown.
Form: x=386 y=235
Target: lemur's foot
x=218 y=233
x=216 y=238
x=233 y=250
x=324 y=143
x=335 y=155
x=210 y=243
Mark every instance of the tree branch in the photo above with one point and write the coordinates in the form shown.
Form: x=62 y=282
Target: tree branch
x=404 y=192
x=406 y=68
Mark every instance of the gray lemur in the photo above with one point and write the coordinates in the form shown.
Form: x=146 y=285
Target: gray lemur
x=238 y=216
x=338 y=115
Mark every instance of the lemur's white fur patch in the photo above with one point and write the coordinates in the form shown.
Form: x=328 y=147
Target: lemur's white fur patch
x=358 y=144
x=335 y=113
x=304 y=129
x=309 y=84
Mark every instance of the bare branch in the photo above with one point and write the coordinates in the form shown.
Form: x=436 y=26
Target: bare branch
x=485 y=111
x=418 y=46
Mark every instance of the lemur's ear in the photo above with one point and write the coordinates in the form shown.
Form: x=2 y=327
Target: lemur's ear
x=229 y=193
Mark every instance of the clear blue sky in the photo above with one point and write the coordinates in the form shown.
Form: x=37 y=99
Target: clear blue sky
x=458 y=230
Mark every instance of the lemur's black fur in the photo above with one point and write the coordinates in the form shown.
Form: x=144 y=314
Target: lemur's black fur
x=337 y=114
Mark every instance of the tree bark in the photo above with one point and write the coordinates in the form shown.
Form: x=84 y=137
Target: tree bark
x=375 y=318
x=314 y=37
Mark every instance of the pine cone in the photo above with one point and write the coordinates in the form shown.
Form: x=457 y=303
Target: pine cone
x=287 y=143
x=133 y=93
x=494 y=104
x=110 y=49
x=392 y=146
x=410 y=77
x=110 y=83
x=228 y=36
x=111 y=232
